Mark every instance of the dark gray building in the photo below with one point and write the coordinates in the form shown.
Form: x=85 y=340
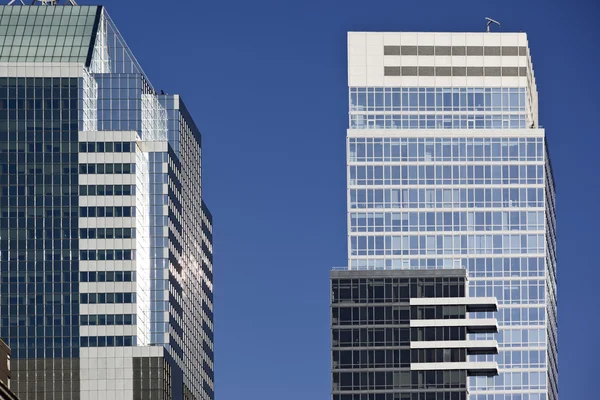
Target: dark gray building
x=408 y=335
x=5 y=392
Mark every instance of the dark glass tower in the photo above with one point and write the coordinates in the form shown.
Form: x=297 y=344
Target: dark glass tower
x=407 y=335
x=105 y=239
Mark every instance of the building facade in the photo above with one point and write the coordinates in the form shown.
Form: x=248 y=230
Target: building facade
x=402 y=334
x=105 y=240
x=448 y=167
x=5 y=375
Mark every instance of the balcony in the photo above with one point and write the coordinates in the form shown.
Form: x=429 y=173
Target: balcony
x=472 y=346
x=487 y=368
x=473 y=325
x=473 y=304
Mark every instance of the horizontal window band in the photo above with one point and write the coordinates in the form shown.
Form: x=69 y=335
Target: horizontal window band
x=454 y=50
x=453 y=71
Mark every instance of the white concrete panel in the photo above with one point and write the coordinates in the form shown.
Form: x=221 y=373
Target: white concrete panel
x=492 y=39
x=432 y=366
x=426 y=39
x=446 y=301
x=475 y=61
x=454 y=344
x=475 y=39
x=459 y=39
x=374 y=39
x=472 y=322
x=442 y=39
x=409 y=38
x=391 y=38
x=492 y=61
x=90 y=309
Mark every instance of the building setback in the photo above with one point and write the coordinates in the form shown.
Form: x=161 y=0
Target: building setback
x=105 y=239
x=448 y=167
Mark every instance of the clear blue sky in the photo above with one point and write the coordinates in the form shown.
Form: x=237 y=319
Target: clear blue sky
x=266 y=84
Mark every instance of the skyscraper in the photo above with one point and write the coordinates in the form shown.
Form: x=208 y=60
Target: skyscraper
x=448 y=168
x=105 y=239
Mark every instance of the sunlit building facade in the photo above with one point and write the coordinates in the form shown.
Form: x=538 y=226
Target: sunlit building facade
x=448 y=167
x=105 y=239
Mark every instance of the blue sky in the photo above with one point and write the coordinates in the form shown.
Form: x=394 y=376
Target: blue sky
x=266 y=84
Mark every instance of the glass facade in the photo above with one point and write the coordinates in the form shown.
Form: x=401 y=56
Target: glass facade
x=385 y=346
x=437 y=108
x=39 y=246
x=457 y=175
x=105 y=240
x=46 y=34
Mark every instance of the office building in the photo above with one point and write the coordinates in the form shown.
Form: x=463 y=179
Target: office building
x=402 y=334
x=448 y=168
x=5 y=392
x=105 y=239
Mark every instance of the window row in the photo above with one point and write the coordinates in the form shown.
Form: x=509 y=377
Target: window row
x=108 y=319
x=106 y=190
x=108 y=298
x=107 y=233
x=108 y=341
x=522 y=337
x=508 y=396
x=348 y=359
x=438 y=355
x=48 y=83
x=388 y=290
x=509 y=380
x=446 y=244
x=508 y=359
x=433 y=121
x=61 y=251
x=438 y=333
x=37 y=147
x=85 y=255
x=445 y=175
x=43 y=352
x=106 y=147
x=532 y=291
x=477 y=267
x=446 y=198
x=381 y=380
x=107 y=276
x=505 y=267
x=386 y=315
x=40 y=171
x=378 y=315
x=98 y=211
x=516 y=316
x=447 y=221
x=355 y=359
x=438 y=312
x=55 y=105
x=445 y=149
x=116 y=168
x=437 y=99
x=372 y=337
x=395 y=395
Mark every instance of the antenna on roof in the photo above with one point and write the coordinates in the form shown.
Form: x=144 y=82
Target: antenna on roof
x=491 y=21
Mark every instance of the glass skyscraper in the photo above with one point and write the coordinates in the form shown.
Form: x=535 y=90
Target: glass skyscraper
x=448 y=167
x=105 y=240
